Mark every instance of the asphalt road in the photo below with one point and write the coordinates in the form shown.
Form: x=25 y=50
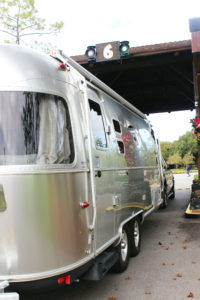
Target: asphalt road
x=167 y=268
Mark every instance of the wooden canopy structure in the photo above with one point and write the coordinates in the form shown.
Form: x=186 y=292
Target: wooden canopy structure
x=154 y=78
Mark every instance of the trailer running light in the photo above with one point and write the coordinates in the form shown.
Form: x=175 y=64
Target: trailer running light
x=84 y=204
x=63 y=66
x=64 y=279
x=67 y=281
x=61 y=280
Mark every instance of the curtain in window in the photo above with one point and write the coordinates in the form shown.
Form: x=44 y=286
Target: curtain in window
x=54 y=137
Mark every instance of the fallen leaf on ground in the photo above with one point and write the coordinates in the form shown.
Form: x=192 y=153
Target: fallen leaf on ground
x=169 y=232
x=163 y=264
x=193 y=262
x=148 y=293
x=112 y=298
x=171 y=244
x=191 y=295
x=174 y=278
x=128 y=278
x=167 y=248
x=159 y=243
x=199 y=278
x=185 y=241
x=184 y=247
x=178 y=275
x=172 y=264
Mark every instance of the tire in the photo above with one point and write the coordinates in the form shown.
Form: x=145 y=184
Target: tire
x=123 y=251
x=134 y=237
x=165 y=198
x=172 y=195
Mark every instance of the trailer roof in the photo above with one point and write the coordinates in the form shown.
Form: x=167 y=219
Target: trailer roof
x=98 y=83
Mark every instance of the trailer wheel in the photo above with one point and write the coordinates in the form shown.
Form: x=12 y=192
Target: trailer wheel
x=134 y=237
x=123 y=252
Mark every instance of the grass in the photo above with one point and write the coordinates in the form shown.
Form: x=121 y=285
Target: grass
x=182 y=171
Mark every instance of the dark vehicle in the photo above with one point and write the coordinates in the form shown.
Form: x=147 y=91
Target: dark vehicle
x=169 y=184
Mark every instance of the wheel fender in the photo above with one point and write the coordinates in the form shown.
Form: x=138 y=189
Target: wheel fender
x=134 y=215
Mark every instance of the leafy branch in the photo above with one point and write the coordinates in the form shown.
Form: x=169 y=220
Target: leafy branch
x=18 y=18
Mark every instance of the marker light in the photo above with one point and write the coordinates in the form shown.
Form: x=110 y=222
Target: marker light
x=84 y=204
x=67 y=281
x=61 y=280
x=62 y=66
x=124 y=48
x=64 y=279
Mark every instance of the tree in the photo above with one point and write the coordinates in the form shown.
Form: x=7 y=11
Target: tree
x=167 y=149
x=186 y=144
x=188 y=159
x=18 y=19
x=175 y=159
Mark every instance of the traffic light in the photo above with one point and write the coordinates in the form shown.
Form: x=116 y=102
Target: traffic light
x=91 y=53
x=124 y=48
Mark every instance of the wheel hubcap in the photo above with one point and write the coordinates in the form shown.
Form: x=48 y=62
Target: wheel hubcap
x=136 y=233
x=124 y=246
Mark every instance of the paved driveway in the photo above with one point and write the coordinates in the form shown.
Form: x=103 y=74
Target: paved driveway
x=183 y=181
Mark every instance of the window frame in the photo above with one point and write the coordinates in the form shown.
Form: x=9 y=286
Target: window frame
x=35 y=168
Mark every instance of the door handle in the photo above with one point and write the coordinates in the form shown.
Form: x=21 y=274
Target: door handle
x=98 y=174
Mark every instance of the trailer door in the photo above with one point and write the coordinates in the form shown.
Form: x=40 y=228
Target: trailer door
x=105 y=221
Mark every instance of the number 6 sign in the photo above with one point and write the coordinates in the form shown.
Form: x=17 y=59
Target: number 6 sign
x=108 y=51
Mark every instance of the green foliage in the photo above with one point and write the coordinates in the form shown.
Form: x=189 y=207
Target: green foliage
x=18 y=18
x=188 y=159
x=167 y=149
x=175 y=159
x=186 y=144
x=183 y=151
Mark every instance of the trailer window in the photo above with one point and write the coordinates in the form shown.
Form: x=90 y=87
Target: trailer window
x=147 y=147
x=120 y=147
x=117 y=126
x=97 y=125
x=35 y=128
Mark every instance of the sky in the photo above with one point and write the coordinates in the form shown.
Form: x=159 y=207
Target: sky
x=141 y=22
x=172 y=125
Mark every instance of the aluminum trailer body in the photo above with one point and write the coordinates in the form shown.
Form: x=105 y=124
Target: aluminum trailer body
x=78 y=164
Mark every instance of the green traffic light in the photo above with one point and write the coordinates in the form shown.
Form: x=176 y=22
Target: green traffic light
x=124 y=48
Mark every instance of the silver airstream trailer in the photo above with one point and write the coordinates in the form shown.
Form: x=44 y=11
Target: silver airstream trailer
x=79 y=172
